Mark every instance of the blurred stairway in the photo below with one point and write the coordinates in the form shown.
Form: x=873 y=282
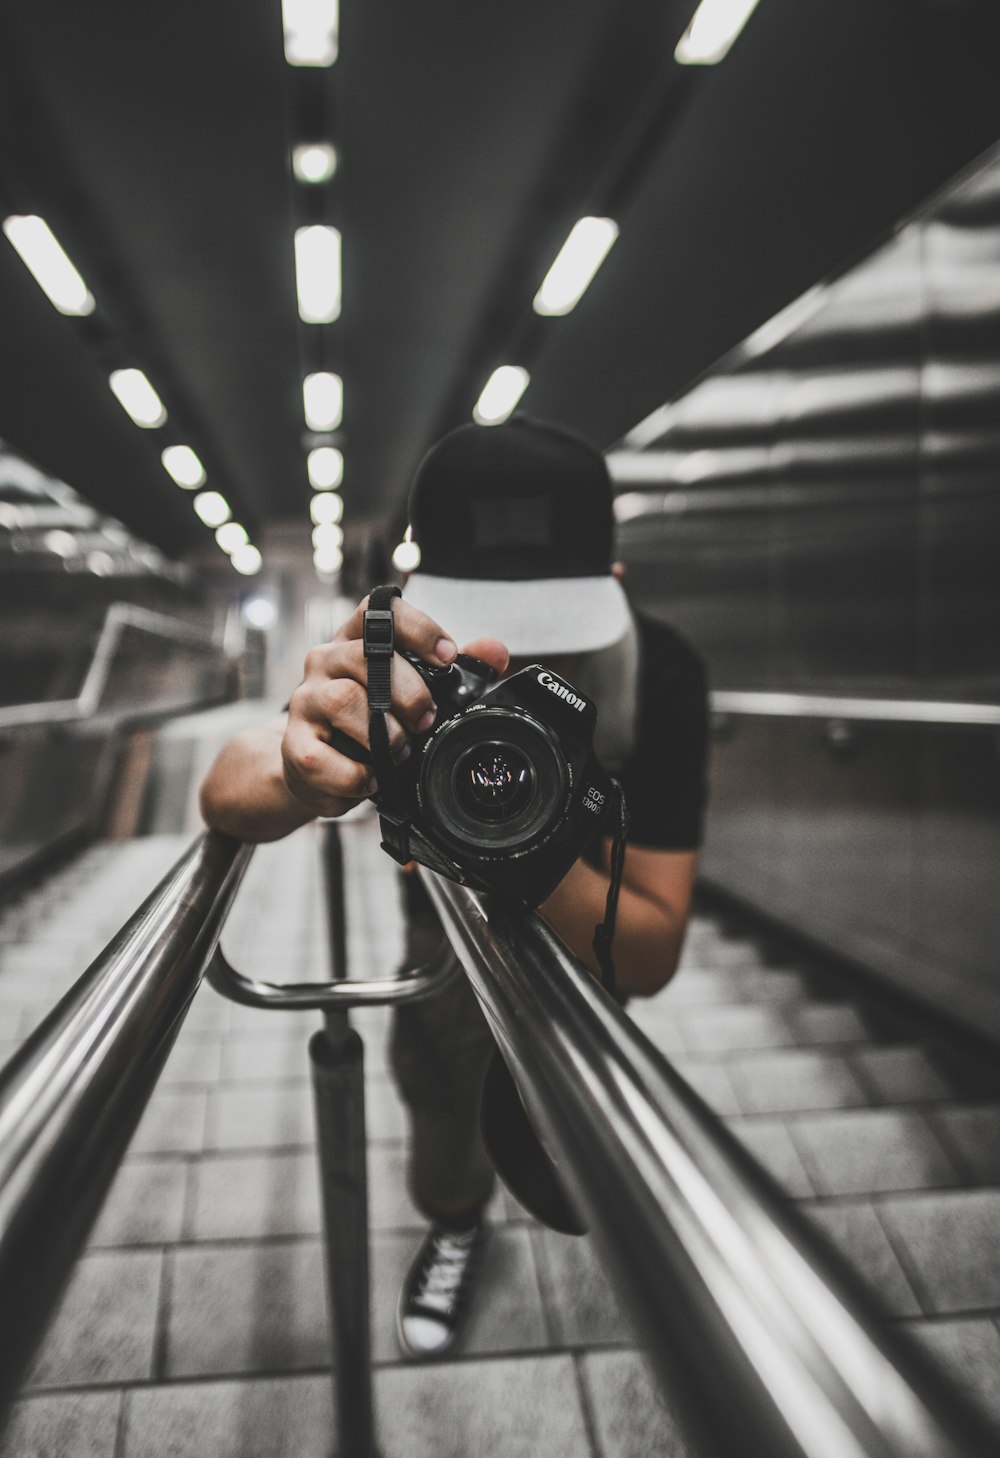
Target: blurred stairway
x=195 y=1324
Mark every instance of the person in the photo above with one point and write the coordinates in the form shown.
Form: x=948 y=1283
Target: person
x=515 y=527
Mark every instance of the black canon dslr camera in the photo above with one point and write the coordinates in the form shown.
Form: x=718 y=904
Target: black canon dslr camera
x=504 y=791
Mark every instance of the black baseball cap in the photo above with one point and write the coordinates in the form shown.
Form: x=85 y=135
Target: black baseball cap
x=515 y=528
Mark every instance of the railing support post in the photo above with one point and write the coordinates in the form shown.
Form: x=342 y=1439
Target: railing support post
x=336 y=1055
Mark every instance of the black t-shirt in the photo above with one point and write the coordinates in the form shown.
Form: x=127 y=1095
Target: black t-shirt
x=665 y=774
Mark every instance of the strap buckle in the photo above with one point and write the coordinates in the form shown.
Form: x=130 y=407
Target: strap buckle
x=395 y=836
x=378 y=633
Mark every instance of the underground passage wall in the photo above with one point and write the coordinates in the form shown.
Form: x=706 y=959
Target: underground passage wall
x=821 y=515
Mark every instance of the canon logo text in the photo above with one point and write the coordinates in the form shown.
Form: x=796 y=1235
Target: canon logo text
x=560 y=690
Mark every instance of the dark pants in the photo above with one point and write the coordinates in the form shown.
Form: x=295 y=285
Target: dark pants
x=440 y=1048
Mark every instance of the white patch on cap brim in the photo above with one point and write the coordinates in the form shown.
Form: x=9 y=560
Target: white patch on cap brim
x=533 y=618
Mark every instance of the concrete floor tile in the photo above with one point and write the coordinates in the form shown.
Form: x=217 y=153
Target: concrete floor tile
x=658 y=1021
x=271 y=1417
x=870 y=1150
x=793 y=1080
x=193 y=1061
x=580 y=1300
x=971 y=1134
x=505 y=1312
x=768 y=1141
x=249 y=1196
x=145 y=1205
x=969 y=1351
x=64 y=1425
x=721 y=1029
x=174 y=1123
x=828 y=1022
x=950 y=1246
x=250 y=1117
x=103 y=1330
x=900 y=1074
x=711 y=1082
x=246 y=1308
x=385 y=1115
x=281 y=1055
x=517 y=1407
x=854 y=1229
x=631 y=1415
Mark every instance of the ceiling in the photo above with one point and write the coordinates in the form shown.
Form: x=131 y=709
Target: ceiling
x=155 y=140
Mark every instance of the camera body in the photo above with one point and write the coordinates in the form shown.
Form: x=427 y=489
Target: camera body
x=504 y=791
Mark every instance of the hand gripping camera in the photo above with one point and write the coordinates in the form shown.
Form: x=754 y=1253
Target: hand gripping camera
x=504 y=791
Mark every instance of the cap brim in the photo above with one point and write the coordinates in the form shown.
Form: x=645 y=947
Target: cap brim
x=540 y=616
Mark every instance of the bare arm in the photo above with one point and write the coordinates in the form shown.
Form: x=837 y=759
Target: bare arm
x=653 y=910
x=267 y=782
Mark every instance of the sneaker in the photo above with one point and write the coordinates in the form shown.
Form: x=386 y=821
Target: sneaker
x=436 y=1290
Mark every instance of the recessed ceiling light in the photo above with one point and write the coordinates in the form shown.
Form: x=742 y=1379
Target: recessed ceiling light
x=314 y=162
x=259 y=612
x=317 y=273
x=44 y=257
x=247 y=559
x=714 y=27
x=325 y=466
x=327 y=534
x=501 y=393
x=326 y=506
x=231 y=535
x=575 y=264
x=212 y=508
x=310 y=28
x=137 y=398
x=323 y=400
x=181 y=463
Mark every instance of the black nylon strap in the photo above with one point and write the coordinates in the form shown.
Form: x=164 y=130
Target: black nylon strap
x=378 y=633
x=604 y=932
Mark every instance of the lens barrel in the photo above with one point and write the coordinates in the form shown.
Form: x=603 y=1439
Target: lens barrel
x=492 y=780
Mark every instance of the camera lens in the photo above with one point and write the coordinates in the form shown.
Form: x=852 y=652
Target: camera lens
x=492 y=781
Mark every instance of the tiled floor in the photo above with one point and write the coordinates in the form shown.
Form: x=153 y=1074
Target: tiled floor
x=195 y=1323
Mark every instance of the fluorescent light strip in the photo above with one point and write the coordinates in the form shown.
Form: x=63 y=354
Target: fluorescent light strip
x=211 y=508
x=137 y=398
x=317 y=273
x=714 y=27
x=326 y=506
x=314 y=162
x=183 y=466
x=325 y=468
x=310 y=31
x=46 y=260
x=230 y=536
x=501 y=393
x=247 y=560
x=589 y=242
x=323 y=401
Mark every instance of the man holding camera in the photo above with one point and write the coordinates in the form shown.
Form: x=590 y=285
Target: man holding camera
x=515 y=526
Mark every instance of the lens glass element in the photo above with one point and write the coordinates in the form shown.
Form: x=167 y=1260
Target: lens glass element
x=493 y=781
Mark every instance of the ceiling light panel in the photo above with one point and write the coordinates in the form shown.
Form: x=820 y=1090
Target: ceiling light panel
x=575 y=264
x=714 y=27
x=317 y=273
x=501 y=393
x=314 y=162
x=183 y=466
x=43 y=255
x=310 y=31
x=137 y=398
x=323 y=400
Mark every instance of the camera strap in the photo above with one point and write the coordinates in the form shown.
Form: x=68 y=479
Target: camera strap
x=378 y=634
x=604 y=932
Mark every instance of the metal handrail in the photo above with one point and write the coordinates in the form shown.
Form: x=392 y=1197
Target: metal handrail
x=119 y=616
x=70 y=1099
x=746 y=1315
x=846 y=707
